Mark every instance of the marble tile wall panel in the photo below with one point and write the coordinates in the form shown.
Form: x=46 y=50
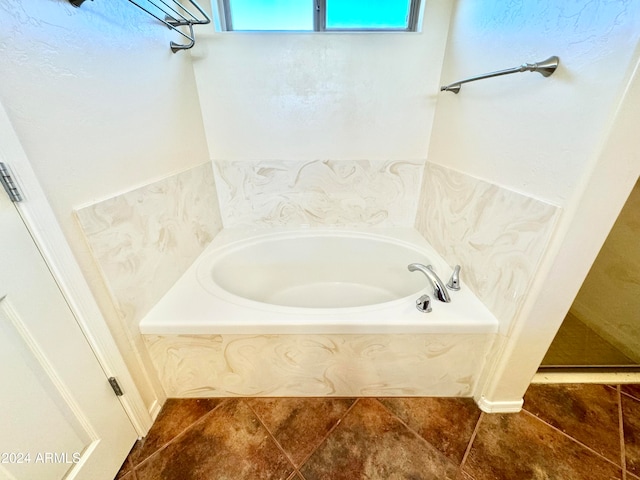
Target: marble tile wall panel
x=145 y=239
x=497 y=235
x=319 y=192
x=318 y=365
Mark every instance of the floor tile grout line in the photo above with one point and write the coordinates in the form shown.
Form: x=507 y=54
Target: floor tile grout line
x=355 y=400
x=163 y=447
x=633 y=398
x=620 y=396
x=623 y=454
x=331 y=430
x=128 y=461
x=406 y=425
x=629 y=395
x=471 y=440
x=280 y=447
x=572 y=438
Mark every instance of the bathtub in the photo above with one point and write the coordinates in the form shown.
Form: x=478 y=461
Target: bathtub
x=314 y=281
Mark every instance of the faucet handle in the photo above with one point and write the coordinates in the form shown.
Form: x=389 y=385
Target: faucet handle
x=424 y=303
x=454 y=281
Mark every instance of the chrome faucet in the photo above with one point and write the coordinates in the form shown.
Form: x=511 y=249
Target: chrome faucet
x=454 y=281
x=439 y=290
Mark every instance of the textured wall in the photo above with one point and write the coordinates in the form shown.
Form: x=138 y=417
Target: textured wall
x=100 y=105
x=534 y=135
x=308 y=96
x=543 y=138
x=321 y=129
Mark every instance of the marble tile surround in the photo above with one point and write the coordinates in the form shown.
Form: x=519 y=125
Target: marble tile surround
x=319 y=365
x=497 y=235
x=143 y=240
x=319 y=192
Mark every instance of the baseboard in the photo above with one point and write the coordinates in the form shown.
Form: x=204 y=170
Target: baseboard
x=154 y=410
x=488 y=406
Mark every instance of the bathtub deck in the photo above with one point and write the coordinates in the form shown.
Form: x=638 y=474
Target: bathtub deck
x=205 y=346
x=188 y=308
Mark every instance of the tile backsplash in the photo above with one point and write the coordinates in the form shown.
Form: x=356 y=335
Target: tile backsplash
x=144 y=240
x=318 y=193
x=497 y=235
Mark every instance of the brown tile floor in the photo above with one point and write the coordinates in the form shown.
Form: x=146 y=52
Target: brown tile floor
x=565 y=432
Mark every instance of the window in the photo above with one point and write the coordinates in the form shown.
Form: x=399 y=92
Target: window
x=321 y=15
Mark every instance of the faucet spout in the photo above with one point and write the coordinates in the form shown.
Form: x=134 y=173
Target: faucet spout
x=439 y=290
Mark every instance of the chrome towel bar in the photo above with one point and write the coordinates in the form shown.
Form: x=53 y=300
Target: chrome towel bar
x=545 y=68
x=173 y=14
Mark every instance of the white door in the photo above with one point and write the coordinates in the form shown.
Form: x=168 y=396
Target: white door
x=59 y=417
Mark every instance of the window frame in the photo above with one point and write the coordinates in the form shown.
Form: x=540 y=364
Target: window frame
x=320 y=19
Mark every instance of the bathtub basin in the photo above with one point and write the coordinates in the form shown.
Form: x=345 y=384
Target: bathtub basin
x=313 y=281
x=313 y=270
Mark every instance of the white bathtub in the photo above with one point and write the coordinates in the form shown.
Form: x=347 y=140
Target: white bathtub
x=314 y=281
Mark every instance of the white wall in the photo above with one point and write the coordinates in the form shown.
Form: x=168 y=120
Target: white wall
x=307 y=96
x=101 y=105
x=532 y=134
x=579 y=237
x=555 y=139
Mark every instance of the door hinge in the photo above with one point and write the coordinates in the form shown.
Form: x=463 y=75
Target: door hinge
x=8 y=184
x=116 y=386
